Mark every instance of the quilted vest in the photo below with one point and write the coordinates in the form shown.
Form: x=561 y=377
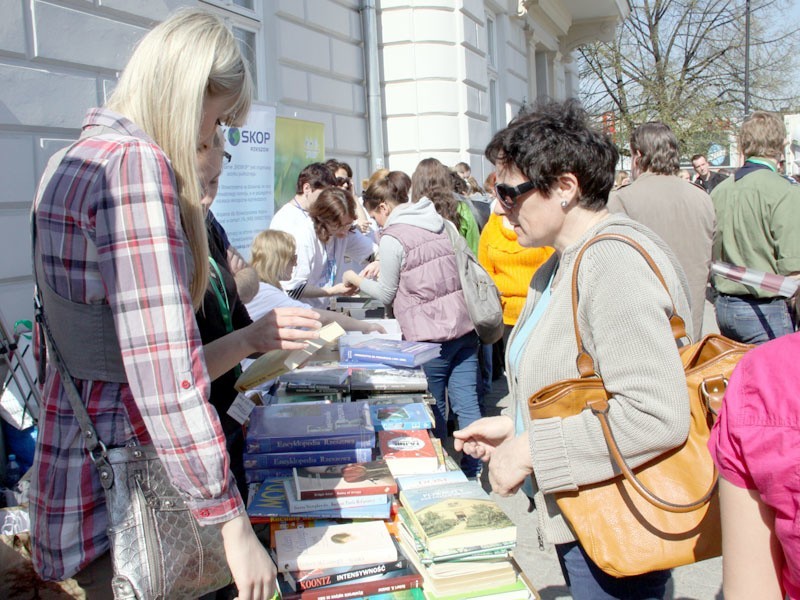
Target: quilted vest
x=429 y=305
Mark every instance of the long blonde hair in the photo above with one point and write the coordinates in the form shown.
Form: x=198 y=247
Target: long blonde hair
x=271 y=253
x=174 y=67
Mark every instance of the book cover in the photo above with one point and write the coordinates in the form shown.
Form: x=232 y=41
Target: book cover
x=400 y=353
x=274 y=460
x=386 y=583
x=408 y=452
x=355 y=479
x=387 y=417
x=328 y=373
x=309 y=426
x=351 y=544
x=383 y=378
x=457 y=515
x=297 y=506
x=270 y=502
x=420 y=480
x=516 y=590
x=396 y=398
x=316 y=578
x=271 y=364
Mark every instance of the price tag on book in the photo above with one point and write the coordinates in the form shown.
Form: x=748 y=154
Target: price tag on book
x=241 y=408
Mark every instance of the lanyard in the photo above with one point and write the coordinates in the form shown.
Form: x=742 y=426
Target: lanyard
x=218 y=285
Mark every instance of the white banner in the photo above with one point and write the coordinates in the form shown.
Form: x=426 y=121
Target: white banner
x=246 y=201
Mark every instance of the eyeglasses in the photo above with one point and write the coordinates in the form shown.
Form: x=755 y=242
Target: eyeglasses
x=226 y=156
x=507 y=194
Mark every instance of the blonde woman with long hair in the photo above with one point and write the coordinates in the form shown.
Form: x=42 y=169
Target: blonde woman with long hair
x=120 y=233
x=273 y=255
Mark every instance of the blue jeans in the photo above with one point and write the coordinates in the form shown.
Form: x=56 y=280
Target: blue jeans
x=453 y=376
x=587 y=581
x=752 y=321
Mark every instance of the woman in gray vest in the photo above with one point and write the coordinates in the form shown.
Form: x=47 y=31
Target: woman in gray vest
x=418 y=274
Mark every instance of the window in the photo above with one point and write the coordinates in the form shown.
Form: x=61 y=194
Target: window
x=491 y=43
x=493 y=106
x=243 y=18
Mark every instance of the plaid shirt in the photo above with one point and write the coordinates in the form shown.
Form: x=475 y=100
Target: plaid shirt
x=109 y=229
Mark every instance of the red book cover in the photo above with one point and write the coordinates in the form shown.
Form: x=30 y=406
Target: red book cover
x=408 y=452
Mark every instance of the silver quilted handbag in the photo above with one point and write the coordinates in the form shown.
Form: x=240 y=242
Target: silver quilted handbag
x=157 y=547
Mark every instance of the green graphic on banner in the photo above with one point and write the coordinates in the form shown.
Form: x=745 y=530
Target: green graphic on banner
x=297 y=144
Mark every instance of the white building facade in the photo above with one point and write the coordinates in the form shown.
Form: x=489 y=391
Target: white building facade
x=393 y=82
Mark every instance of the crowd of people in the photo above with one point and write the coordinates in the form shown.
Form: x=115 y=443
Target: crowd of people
x=125 y=225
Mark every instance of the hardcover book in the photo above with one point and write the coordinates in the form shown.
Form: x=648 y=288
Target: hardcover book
x=316 y=578
x=355 y=479
x=457 y=515
x=382 y=585
x=297 y=506
x=388 y=379
x=274 y=460
x=421 y=480
x=408 y=452
x=400 y=353
x=318 y=373
x=270 y=503
x=351 y=544
x=260 y=475
x=310 y=426
x=400 y=416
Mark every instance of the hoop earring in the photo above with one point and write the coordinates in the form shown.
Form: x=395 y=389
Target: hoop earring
x=564 y=204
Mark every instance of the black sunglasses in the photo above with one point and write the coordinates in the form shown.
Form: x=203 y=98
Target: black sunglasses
x=508 y=194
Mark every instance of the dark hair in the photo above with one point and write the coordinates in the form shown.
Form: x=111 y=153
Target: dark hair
x=554 y=139
x=658 y=148
x=432 y=180
x=698 y=156
x=392 y=189
x=460 y=186
x=316 y=175
x=327 y=213
x=334 y=165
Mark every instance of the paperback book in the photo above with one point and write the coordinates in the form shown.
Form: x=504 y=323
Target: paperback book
x=310 y=426
x=421 y=480
x=400 y=353
x=457 y=515
x=317 y=578
x=351 y=544
x=274 y=460
x=297 y=506
x=327 y=373
x=400 y=416
x=367 y=587
x=408 y=452
x=388 y=379
x=355 y=479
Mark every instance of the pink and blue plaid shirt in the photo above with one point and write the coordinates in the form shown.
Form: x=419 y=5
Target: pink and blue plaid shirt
x=109 y=229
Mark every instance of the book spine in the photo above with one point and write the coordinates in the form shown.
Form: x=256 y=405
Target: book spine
x=306 y=459
x=296 y=444
x=334 y=493
x=394 y=425
x=360 y=589
x=335 y=503
x=388 y=358
x=309 y=580
x=259 y=475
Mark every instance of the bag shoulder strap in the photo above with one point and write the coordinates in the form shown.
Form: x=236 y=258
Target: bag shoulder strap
x=584 y=361
x=600 y=407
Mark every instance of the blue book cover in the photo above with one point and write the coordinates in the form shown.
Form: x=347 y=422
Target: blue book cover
x=259 y=475
x=388 y=417
x=399 y=353
x=274 y=460
x=307 y=426
x=270 y=501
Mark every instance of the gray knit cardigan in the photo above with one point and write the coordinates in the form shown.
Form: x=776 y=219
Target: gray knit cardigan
x=623 y=315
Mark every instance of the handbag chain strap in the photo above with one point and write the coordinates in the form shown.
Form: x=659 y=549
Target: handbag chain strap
x=599 y=407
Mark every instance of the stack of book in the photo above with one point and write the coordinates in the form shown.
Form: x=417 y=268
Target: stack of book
x=458 y=538
x=308 y=434
x=353 y=560
x=316 y=381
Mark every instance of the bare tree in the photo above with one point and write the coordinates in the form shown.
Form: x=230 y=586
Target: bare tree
x=682 y=62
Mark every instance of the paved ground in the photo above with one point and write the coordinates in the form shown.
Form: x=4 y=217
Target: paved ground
x=702 y=581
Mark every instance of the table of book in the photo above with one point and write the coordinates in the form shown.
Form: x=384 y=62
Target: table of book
x=361 y=501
